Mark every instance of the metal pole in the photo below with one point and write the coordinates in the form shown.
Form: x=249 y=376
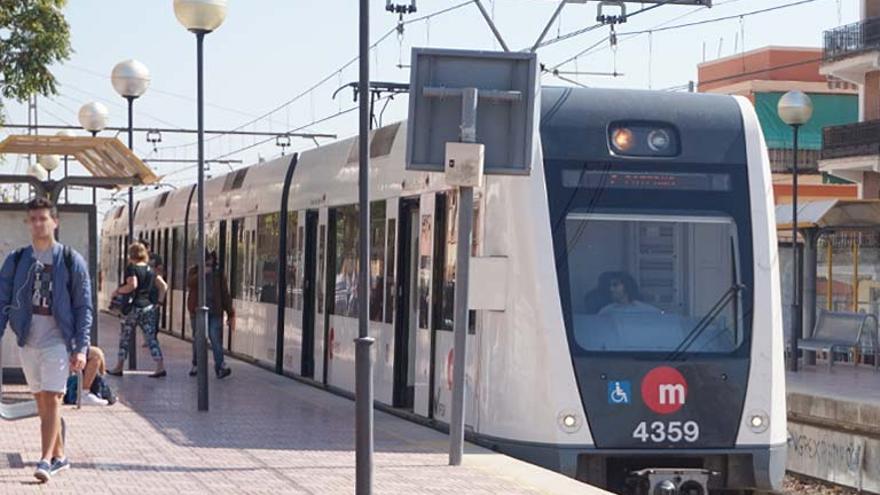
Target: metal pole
x=462 y=268
x=491 y=23
x=202 y=317
x=363 y=357
x=130 y=189
x=549 y=25
x=796 y=298
x=66 y=199
x=133 y=349
x=94 y=189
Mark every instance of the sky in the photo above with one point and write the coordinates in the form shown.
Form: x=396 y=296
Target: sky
x=272 y=52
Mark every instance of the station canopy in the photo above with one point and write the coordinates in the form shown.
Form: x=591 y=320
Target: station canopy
x=833 y=214
x=103 y=157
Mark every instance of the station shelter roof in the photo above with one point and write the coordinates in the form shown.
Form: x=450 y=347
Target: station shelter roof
x=833 y=214
x=104 y=157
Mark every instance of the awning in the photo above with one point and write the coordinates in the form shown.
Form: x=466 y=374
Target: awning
x=842 y=214
x=828 y=110
x=103 y=157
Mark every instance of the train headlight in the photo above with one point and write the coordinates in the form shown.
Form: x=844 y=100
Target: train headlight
x=665 y=487
x=569 y=422
x=659 y=140
x=643 y=139
x=622 y=139
x=759 y=421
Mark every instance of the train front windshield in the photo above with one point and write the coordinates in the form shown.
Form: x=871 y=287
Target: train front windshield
x=652 y=261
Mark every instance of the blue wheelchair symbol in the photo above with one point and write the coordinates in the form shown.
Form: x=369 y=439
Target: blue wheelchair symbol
x=619 y=392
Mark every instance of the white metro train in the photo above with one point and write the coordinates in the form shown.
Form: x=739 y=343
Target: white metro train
x=637 y=344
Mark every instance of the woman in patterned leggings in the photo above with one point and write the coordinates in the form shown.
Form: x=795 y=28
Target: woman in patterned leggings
x=139 y=282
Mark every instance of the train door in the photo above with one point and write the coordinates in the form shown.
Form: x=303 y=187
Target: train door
x=120 y=258
x=157 y=250
x=309 y=286
x=329 y=293
x=222 y=245
x=243 y=339
x=234 y=267
x=165 y=274
x=222 y=255
x=173 y=264
x=406 y=326
x=320 y=291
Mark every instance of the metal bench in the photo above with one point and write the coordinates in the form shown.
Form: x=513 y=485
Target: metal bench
x=842 y=331
x=15 y=410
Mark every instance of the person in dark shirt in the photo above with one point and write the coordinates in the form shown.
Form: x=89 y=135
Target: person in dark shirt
x=219 y=301
x=156 y=262
x=140 y=280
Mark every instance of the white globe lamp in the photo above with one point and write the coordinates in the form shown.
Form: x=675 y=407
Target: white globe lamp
x=200 y=15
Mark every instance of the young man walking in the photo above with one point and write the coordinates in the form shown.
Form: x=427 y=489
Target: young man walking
x=219 y=302
x=46 y=298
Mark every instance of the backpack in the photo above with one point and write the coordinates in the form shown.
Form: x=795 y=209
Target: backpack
x=99 y=387
x=122 y=304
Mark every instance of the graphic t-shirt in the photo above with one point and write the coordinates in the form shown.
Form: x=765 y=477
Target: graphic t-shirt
x=44 y=329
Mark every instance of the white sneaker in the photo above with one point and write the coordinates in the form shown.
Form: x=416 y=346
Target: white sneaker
x=91 y=399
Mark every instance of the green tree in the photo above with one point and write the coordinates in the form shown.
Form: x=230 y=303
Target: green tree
x=33 y=35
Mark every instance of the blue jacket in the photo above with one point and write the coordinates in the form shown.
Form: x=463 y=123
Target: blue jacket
x=73 y=312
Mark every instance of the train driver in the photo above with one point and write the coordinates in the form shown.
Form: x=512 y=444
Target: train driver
x=624 y=294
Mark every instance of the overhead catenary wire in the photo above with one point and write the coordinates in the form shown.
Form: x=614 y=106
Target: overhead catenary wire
x=596 y=26
x=338 y=70
x=154 y=89
x=726 y=18
x=661 y=28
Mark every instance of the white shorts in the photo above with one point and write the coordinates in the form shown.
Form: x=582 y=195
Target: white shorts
x=46 y=369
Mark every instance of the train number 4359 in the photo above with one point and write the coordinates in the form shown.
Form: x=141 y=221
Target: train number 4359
x=662 y=432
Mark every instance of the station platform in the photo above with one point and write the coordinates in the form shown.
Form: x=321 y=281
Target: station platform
x=264 y=433
x=834 y=424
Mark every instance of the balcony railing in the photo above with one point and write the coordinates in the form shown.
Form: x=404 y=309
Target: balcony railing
x=852 y=39
x=842 y=141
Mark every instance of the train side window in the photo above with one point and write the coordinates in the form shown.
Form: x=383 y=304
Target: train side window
x=390 y=295
x=426 y=249
x=192 y=240
x=246 y=281
x=268 y=234
x=446 y=318
x=177 y=260
x=299 y=256
x=120 y=257
x=322 y=246
x=345 y=298
x=212 y=238
x=238 y=260
x=252 y=265
x=293 y=263
x=377 y=260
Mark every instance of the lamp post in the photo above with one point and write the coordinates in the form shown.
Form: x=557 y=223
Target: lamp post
x=36 y=170
x=93 y=118
x=363 y=344
x=795 y=109
x=201 y=17
x=131 y=79
x=50 y=163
